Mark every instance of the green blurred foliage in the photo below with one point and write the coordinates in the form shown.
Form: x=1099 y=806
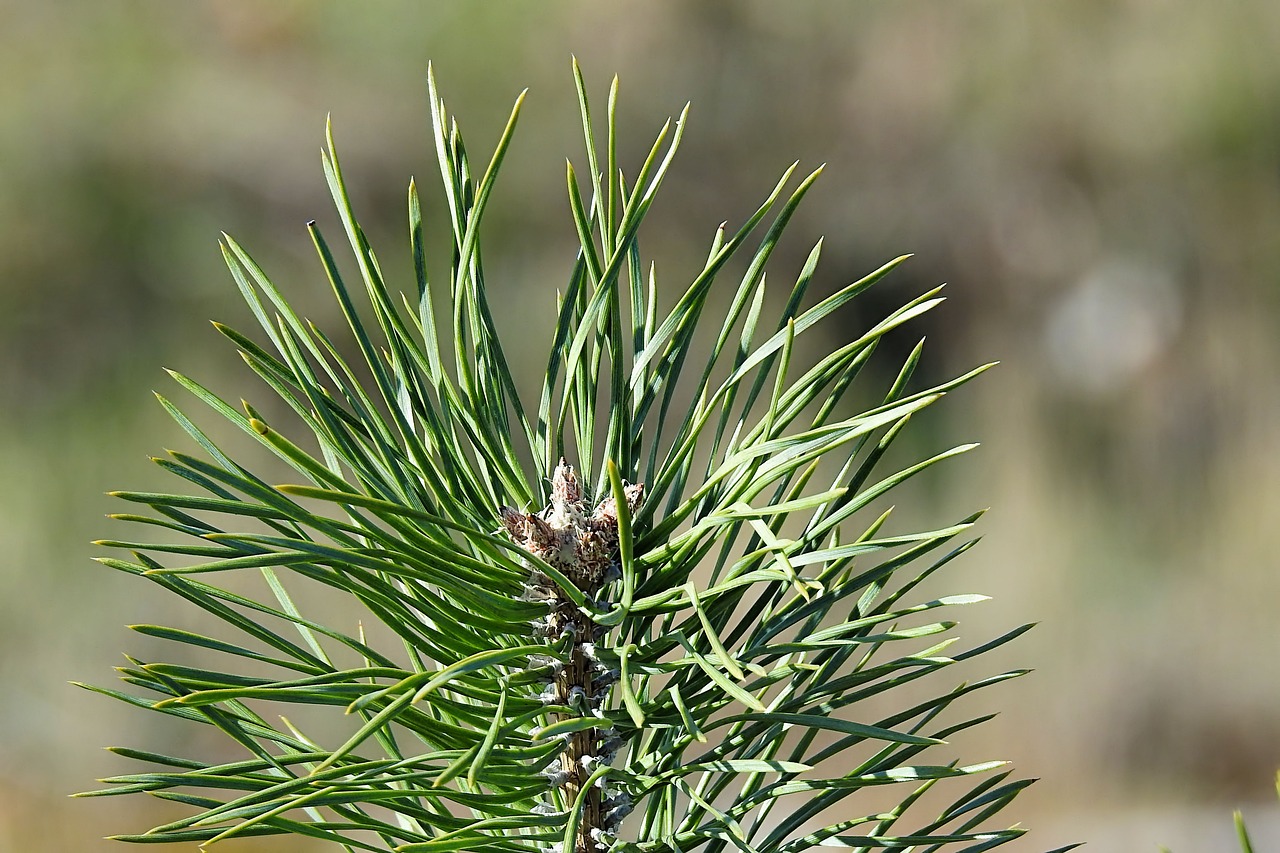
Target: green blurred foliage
x=1099 y=180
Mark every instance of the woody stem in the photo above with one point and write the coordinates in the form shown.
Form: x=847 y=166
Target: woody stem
x=576 y=679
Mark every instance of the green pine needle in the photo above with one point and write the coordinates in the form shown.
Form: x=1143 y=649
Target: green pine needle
x=688 y=622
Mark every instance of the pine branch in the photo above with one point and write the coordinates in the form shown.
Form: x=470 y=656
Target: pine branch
x=690 y=623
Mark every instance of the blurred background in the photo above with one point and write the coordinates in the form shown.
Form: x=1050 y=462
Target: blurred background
x=1099 y=182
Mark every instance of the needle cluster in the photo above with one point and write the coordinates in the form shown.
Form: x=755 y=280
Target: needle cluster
x=727 y=657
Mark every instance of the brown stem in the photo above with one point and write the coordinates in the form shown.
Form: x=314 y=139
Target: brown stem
x=579 y=673
x=583 y=544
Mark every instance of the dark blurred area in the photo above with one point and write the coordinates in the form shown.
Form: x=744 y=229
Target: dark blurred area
x=1098 y=181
